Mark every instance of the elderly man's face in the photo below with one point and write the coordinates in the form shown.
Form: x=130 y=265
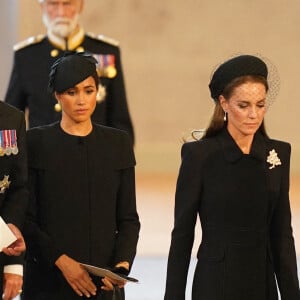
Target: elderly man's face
x=61 y=16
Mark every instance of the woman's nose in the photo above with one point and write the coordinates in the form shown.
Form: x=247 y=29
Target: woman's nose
x=81 y=99
x=253 y=112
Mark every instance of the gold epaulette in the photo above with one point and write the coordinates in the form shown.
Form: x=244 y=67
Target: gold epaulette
x=104 y=39
x=30 y=41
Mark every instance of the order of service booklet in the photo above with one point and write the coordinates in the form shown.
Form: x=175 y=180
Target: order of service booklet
x=6 y=235
x=107 y=273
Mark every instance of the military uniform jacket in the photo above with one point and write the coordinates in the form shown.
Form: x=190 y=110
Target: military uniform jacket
x=14 y=197
x=82 y=203
x=243 y=204
x=29 y=83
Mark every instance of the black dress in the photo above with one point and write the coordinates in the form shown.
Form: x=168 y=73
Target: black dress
x=82 y=203
x=243 y=205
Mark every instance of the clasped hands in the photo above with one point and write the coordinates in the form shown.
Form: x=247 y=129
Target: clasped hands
x=80 y=280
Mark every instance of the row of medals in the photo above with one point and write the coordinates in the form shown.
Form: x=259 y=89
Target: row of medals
x=109 y=71
x=9 y=150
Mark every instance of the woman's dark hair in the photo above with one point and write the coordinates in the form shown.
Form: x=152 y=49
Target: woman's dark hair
x=217 y=122
x=96 y=79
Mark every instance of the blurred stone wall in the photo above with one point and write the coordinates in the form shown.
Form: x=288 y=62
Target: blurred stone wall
x=8 y=34
x=169 y=49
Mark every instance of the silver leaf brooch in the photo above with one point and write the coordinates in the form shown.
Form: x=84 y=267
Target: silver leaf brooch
x=273 y=159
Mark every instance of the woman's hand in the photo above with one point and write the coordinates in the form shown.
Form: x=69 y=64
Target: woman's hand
x=17 y=247
x=122 y=268
x=110 y=283
x=12 y=285
x=76 y=276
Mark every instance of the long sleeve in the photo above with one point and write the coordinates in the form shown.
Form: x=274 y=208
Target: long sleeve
x=186 y=207
x=40 y=244
x=282 y=241
x=127 y=218
x=44 y=246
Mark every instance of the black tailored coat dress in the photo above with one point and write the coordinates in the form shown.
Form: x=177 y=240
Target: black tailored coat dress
x=30 y=75
x=14 y=199
x=244 y=210
x=82 y=204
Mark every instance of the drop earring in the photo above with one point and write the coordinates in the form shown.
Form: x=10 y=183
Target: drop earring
x=225 y=116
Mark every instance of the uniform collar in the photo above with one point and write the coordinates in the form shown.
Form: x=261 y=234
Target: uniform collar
x=233 y=153
x=70 y=44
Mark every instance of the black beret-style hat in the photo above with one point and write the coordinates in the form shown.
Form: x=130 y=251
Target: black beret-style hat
x=70 y=70
x=238 y=66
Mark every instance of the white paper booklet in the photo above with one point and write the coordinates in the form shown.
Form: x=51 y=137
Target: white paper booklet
x=6 y=235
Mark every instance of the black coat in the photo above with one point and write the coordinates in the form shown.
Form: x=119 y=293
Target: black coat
x=82 y=203
x=13 y=200
x=244 y=210
x=29 y=81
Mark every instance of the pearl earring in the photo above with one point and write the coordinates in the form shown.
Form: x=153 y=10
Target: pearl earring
x=225 y=116
x=57 y=107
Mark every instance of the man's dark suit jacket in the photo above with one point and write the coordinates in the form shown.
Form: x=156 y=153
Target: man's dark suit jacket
x=13 y=201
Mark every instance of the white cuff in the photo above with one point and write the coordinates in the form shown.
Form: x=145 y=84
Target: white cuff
x=14 y=269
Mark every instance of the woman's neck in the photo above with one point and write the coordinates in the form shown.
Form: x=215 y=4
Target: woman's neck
x=78 y=129
x=244 y=142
